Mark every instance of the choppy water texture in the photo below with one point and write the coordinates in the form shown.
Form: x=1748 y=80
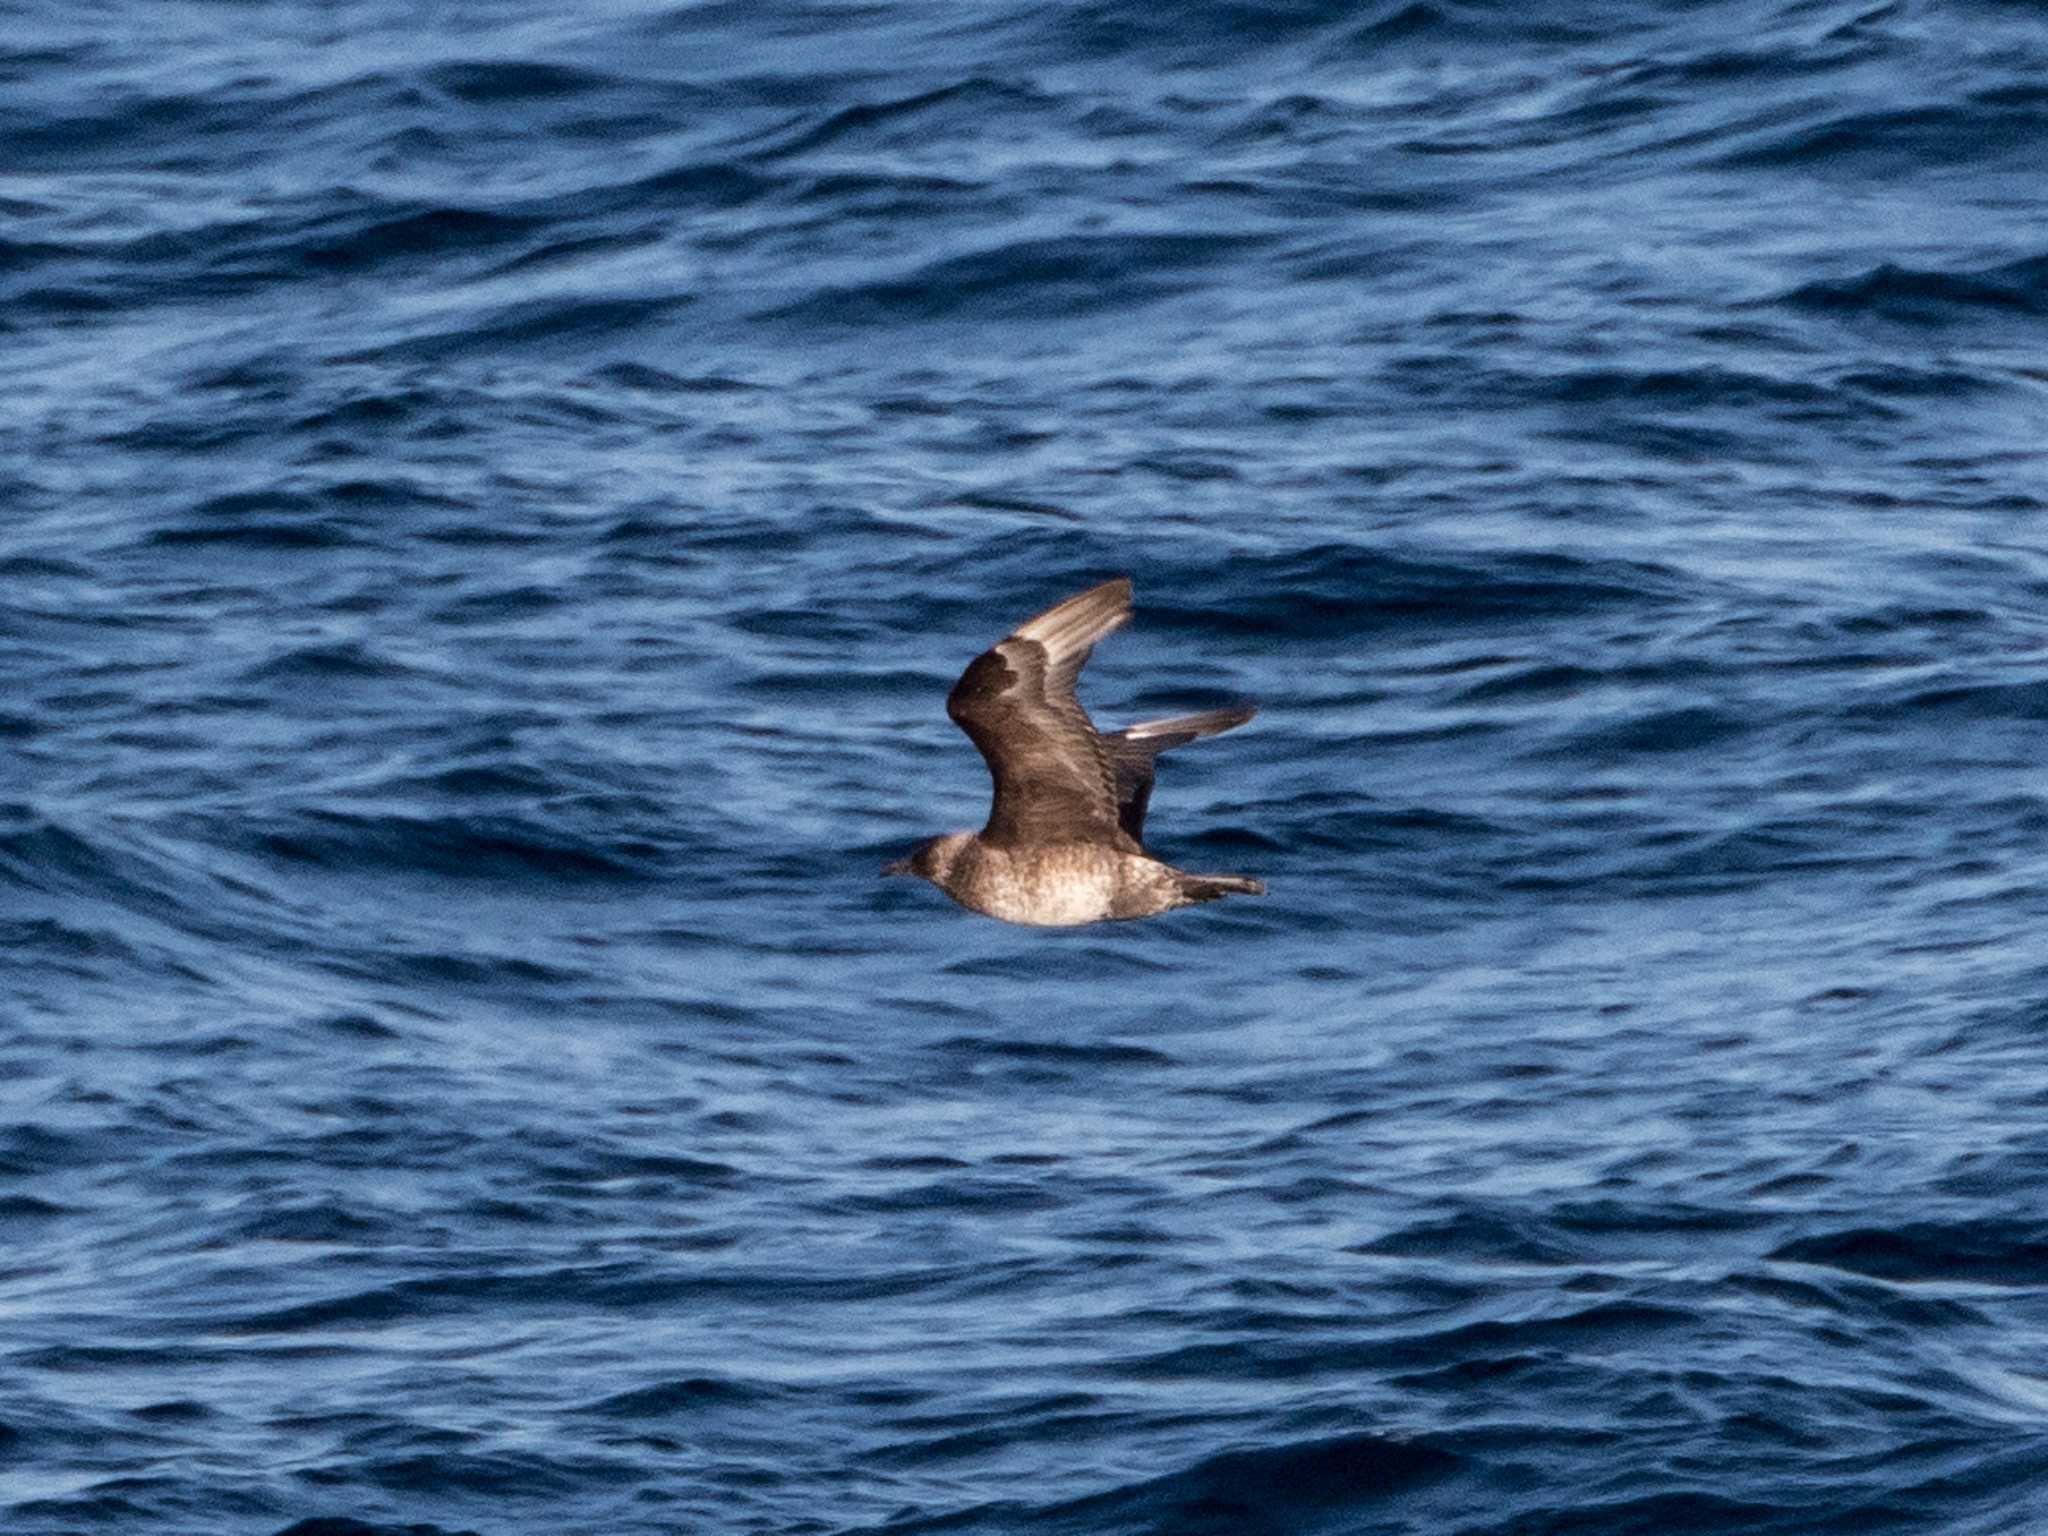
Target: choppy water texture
x=494 y=497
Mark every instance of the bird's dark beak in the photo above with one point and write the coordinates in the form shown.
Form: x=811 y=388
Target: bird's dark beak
x=898 y=867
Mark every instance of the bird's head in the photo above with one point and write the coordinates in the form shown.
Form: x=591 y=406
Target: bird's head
x=931 y=859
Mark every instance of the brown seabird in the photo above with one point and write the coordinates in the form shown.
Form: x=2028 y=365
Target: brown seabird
x=1061 y=845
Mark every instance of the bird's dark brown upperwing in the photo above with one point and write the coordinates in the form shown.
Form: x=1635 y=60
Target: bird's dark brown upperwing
x=1054 y=782
x=1133 y=749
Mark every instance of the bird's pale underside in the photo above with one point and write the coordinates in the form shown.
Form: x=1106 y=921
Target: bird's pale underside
x=1062 y=844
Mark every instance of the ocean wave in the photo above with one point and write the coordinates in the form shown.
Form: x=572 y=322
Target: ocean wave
x=1982 y=1252
x=1901 y=140
x=1306 y=1486
x=348 y=1525
x=1931 y=296
x=582 y=318
x=1037 y=280
x=476 y=847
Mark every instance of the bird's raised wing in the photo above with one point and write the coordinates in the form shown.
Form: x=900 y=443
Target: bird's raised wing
x=1133 y=749
x=1053 y=778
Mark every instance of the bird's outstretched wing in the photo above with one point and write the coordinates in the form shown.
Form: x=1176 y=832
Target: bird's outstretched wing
x=1132 y=750
x=1054 y=780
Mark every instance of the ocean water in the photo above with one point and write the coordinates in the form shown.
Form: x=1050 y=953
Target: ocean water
x=492 y=500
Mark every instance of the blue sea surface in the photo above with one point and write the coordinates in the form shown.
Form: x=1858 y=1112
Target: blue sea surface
x=492 y=501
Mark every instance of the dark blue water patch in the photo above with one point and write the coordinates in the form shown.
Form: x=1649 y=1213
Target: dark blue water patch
x=1695 y=1510
x=1055 y=1052
x=458 y=969
x=1309 y=1486
x=537 y=322
x=1676 y=730
x=714 y=184
x=450 y=1471
x=689 y=1397
x=347 y=661
x=50 y=858
x=500 y=80
x=983 y=1196
x=58 y=940
x=376 y=236
x=1037 y=281
x=1117 y=29
x=26 y=255
x=28 y=1149
x=122 y=135
x=1919 y=296
x=1335 y=590
x=1990 y=701
x=321 y=1222
x=1604 y=1327
x=952 y=110
x=256 y=536
x=1538 y=682
x=357 y=1025
x=491 y=608
x=1997 y=1253
x=374 y=408
x=642 y=378
x=1902 y=141
x=1686 y=390
x=175 y=1411
x=1474 y=1235
x=465 y=847
x=1399 y=23
x=1838 y=1298
x=28 y=1208
x=1934 y=383
x=1005 y=1423
x=505 y=778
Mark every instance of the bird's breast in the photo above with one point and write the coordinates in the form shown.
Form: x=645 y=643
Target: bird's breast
x=1054 y=885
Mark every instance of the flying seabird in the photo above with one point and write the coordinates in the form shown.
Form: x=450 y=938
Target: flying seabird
x=1061 y=845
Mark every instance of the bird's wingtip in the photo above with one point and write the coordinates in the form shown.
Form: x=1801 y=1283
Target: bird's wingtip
x=1082 y=619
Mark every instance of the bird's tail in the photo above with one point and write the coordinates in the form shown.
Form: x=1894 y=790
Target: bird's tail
x=1209 y=887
